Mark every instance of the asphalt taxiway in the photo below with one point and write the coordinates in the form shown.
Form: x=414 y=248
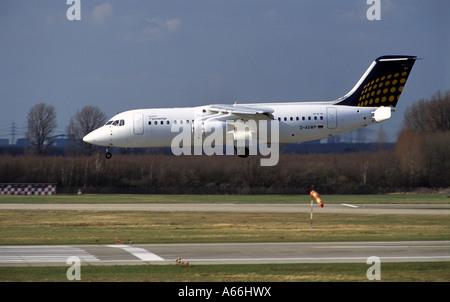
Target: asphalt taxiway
x=344 y=208
x=227 y=253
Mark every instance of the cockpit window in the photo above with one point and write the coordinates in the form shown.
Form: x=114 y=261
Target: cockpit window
x=116 y=123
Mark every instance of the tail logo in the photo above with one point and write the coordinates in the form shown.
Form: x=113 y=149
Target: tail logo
x=383 y=91
x=382 y=83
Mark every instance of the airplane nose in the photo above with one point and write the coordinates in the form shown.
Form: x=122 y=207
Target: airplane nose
x=89 y=138
x=97 y=137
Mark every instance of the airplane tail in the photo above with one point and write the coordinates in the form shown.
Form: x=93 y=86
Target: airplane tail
x=382 y=83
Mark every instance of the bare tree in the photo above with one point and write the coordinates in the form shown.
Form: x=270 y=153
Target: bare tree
x=381 y=138
x=41 y=124
x=422 y=146
x=428 y=116
x=411 y=151
x=82 y=123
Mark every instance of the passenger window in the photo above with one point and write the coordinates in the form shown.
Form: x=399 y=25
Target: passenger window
x=285 y=119
x=297 y=118
x=303 y=118
x=291 y=118
x=309 y=118
x=162 y=122
x=168 y=123
x=315 y=118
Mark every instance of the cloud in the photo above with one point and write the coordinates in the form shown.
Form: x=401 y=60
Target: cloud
x=101 y=13
x=173 y=25
x=151 y=29
x=154 y=29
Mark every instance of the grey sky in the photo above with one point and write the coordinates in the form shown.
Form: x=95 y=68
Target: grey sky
x=140 y=54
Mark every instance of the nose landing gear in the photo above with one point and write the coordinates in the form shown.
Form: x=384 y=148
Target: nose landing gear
x=108 y=154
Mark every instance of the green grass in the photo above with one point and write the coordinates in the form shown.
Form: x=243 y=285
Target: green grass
x=292 y=199
x=98 y=227
x=356 y=272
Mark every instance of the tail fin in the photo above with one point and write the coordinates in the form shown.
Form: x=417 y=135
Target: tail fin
x=382 y=83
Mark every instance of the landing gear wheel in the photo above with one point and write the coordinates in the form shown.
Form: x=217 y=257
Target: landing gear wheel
x=246 y=152
x=108 y=155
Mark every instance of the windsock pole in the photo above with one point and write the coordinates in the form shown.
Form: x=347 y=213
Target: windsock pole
x=316 y=196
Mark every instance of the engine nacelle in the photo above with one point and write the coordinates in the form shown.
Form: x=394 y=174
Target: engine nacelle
x=381 y=114
x=237 y=134
x=212 y=127
x=212 y=130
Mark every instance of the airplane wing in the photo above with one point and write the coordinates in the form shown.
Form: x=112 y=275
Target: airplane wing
x=241 y=112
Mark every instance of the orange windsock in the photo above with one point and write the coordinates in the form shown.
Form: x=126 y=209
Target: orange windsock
x=316 y=196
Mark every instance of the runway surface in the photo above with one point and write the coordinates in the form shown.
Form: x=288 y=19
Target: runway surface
x=227 y=253
x=233 y=253
x=409 y=209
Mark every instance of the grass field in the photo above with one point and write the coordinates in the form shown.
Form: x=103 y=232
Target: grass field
x=97 y=227
x=356 y=272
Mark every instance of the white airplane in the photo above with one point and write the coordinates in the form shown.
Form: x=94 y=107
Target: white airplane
x=369 y=101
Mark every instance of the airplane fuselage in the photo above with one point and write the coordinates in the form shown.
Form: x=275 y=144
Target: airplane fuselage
x=298 y=122
x=243 y=126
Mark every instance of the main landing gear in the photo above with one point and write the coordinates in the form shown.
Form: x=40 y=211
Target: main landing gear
x=108 y=154
x=242 y=153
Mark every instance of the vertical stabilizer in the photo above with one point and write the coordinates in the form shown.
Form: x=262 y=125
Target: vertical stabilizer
x=382 y=83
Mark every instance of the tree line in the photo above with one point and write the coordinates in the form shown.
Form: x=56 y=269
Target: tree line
x=423 y=146
x=421 y=158
x=41 y=124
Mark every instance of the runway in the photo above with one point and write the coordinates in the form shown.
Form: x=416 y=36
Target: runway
x=406 y=209
x=232 y=253
x=227 y=253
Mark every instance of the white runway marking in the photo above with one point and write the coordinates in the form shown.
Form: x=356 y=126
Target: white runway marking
x=349 y=205
x=42 y=254
x=140 y=253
